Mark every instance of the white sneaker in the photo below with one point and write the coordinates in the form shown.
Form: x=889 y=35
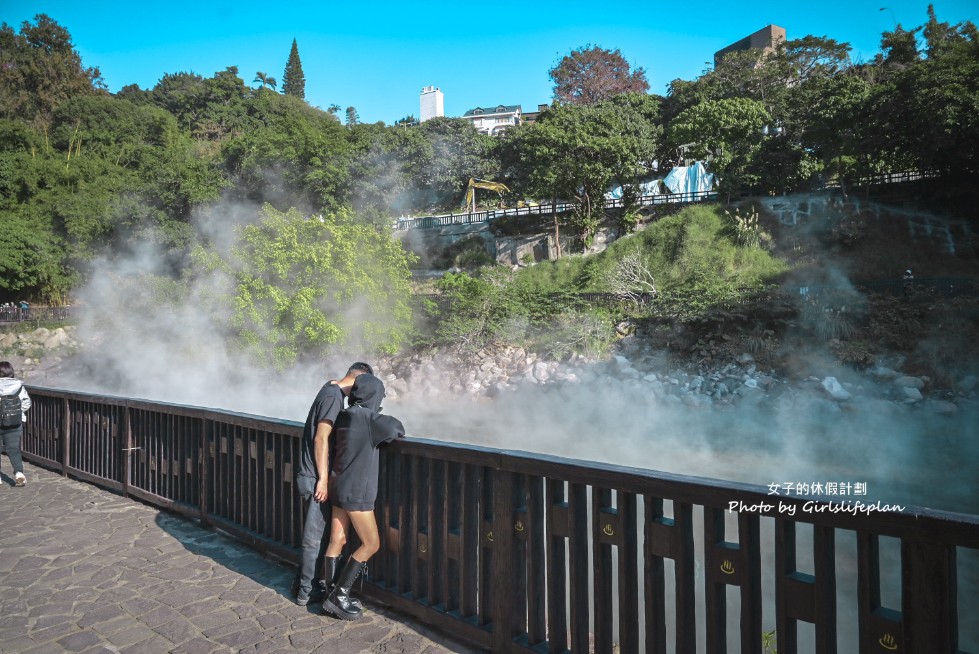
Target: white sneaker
x=20 y=479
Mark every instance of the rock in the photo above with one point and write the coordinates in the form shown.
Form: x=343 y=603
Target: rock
x=835 y=390
x=912 y=394
x=56 y=339
x=39 y=334
x=696 y=400
x=883 y=372
x=941 y=407
x=966 y=385
x=749 y=396
x=621 y=362
x=909 y=382
x=8 y=340
x=745 y=358
x=751 y=383
x=399 y=386
x=625 y=328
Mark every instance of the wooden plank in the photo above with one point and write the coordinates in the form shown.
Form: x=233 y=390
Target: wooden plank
x=658 y=530
x=714 y=591
x=928 y=597
x=750 y=548
x=557 y=567
x=601 y=505
x=628 y=573
x=824 y=600
x=502 y=565
x=471 y=538
x=537 y=562
x=685 y=559
x=578 y=571
x=786 y=630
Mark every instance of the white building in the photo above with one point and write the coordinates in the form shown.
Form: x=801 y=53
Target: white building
x=432 y=103
x=493 y=120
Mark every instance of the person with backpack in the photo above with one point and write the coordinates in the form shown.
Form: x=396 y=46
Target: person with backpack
x=360 y=430
x=14 y=402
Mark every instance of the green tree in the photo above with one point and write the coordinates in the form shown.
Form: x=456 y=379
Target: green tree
x=305 y=286
x=439 y=169
x=592 y=74
x=575 y=153
x=924 y=111
x=291 y=155
x=265 y=80
x=40 y=69
x=293 y=80
x=728 y=134
x=352 y=117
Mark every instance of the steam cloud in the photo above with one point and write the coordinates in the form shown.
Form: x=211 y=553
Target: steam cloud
x=183 y=356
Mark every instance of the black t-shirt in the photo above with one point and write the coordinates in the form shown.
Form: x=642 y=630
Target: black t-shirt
x=327 y=406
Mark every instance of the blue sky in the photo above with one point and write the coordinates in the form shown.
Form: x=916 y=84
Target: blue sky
x=377 y=56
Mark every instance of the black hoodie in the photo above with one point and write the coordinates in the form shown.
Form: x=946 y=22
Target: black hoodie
x=360 y=429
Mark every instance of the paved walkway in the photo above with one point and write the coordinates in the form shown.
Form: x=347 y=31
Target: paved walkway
x=84 y=570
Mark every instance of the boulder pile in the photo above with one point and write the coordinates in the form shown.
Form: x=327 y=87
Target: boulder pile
x=495 y=371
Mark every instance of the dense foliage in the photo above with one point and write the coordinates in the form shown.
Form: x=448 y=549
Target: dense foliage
x=300 y=285
x=693 y=260
x=86 y=174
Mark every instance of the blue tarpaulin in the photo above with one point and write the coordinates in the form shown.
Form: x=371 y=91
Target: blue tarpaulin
x=689 y=179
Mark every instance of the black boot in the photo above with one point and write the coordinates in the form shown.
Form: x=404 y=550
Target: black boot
x=339 y=602
x=332 y=565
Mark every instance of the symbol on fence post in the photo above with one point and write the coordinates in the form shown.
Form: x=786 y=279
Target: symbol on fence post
x=607 y=530
x=887 y=642
x=727 y=567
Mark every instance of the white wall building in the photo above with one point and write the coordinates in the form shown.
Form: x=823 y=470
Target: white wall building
x=432 y=103
x=493 y=120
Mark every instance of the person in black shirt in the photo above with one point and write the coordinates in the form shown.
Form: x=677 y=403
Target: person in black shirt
x=359 y=431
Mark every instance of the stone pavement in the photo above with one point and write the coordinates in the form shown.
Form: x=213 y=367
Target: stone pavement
x=85 y=570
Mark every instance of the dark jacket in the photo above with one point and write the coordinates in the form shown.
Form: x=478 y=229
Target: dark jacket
x=360 y=430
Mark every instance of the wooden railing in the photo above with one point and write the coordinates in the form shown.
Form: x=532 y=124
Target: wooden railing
x=520 y=552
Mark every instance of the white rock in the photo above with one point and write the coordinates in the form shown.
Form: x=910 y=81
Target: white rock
x=835 y=390
x=912 y=394
x=909 y=382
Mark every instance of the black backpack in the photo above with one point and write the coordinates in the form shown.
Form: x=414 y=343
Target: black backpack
x=11 y=413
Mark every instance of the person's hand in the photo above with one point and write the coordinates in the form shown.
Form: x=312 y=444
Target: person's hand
x=321 y=493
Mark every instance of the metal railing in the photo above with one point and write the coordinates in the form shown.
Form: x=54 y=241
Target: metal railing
x=431 y=222
x=38 y=314
x=520 y=552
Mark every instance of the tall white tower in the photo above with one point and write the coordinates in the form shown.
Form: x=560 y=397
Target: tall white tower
x=432 y=103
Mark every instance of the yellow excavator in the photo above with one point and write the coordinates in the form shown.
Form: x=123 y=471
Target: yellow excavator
x=481 y=183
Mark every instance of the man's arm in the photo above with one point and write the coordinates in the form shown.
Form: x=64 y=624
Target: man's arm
x=321 y=454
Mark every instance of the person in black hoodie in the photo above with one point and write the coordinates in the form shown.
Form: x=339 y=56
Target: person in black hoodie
x=360 y=430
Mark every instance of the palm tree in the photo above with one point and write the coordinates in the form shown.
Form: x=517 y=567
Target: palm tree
x=266 y=80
